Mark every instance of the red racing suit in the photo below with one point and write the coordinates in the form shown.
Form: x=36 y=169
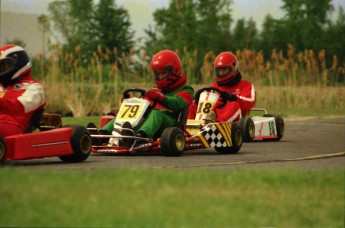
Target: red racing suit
x=234 y=110
x=18 y=102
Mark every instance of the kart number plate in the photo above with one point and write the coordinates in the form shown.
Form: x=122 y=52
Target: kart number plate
x=130 y=111
x=205 y=107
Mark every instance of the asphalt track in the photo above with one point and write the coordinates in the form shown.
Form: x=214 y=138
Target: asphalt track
x=308 y=144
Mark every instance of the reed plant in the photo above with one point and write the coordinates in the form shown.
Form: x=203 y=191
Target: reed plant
x=286 y=82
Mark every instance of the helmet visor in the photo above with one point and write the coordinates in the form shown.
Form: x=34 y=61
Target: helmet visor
x=223 y=71
x=160 y=75
x=6 y=65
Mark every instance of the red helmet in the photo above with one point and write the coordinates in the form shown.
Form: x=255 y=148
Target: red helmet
x=168 y=64
x=226 y=67
x=14 y=63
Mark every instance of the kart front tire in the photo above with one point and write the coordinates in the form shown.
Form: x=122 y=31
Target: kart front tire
x=280 y=125
x=236 y=138
x=248 y=127
x=2 y=151
x=173 y=142
x=81 y=144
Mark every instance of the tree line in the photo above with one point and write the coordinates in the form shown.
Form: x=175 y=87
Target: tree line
x=198 y=26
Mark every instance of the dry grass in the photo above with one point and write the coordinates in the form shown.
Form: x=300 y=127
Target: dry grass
x=284 y=83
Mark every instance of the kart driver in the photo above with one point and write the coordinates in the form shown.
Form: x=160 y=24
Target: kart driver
x=169 y=96
x=240 y=94
x=20 y=95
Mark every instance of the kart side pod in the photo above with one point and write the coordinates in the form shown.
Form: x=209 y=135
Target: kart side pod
x=71 y=144
x=225 y=138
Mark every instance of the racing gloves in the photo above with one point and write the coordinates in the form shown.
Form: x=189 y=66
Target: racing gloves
x=224 y=98
x=229 y=96
x=155 y=95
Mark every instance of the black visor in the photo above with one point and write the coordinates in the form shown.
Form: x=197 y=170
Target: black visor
x=162 y=74
x=223 y=71
x=6 y=65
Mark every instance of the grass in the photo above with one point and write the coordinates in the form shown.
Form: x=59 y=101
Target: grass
x=127 y=197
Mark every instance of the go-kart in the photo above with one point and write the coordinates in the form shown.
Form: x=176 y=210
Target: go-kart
x=268 y=127
x=46 y=137
x=226 y=138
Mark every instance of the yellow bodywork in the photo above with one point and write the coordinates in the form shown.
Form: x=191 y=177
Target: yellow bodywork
x=201 y=130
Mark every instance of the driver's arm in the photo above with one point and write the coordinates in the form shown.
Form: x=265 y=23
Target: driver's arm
x=179 y=100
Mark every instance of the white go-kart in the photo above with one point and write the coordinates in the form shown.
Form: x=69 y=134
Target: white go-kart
x=268 y=127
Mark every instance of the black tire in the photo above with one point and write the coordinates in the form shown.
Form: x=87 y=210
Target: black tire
x=81 y=145
x=248 y=127
x=2 y=151
x=236 y=138
x=279 y=124
x=173 y=142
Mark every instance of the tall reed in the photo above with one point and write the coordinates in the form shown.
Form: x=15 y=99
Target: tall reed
x=288 y=80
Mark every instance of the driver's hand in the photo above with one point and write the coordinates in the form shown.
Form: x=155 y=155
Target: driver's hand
x=155 y=95
x=229 y=96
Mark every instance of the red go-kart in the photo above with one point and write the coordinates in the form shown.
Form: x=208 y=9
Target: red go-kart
x=69 y=143
x=186 y=135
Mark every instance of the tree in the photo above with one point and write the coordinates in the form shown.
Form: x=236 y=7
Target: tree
x=43 y=21
x=175 y=27
x=17 y=41
x=83 y=24
x=199 y=26
x=306 y=20
x=111 y=28
x=245 y=35
x=335 y=38
x=274 y=35
x=214 y=25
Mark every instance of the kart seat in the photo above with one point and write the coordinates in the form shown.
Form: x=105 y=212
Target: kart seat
x=34 y=121
x=43 y=121
x=50 y=121
x=182 y=118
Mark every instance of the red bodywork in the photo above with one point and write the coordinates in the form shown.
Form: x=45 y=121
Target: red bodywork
x=56 y=142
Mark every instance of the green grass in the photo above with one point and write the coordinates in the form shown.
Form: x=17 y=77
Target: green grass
x=127 y=197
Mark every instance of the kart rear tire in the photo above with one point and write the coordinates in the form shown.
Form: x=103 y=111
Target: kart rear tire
x=236 y=138
x=172 y=142
x=280 y=125
x=2 y=151
x=248 y=127
x=81 y=144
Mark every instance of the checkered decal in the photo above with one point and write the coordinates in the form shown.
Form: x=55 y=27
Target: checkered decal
x=214 y=137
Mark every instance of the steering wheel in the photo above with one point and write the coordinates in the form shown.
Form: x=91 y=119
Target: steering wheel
x=222 y=94
x=127 y=92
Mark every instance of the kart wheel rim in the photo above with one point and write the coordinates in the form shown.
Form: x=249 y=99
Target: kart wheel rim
x=238 y=137
x=251 y=130
x=180 y=142
x=85 y=143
